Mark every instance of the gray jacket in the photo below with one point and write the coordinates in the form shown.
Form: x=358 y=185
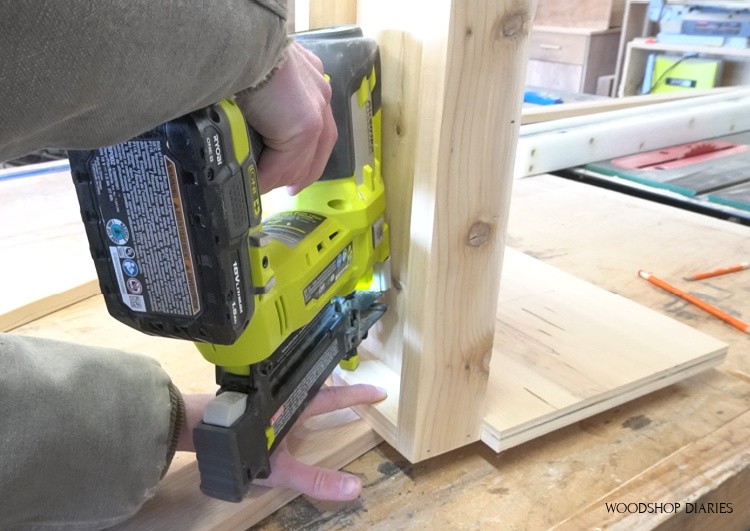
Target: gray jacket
x=86 y=73
x=85 y=433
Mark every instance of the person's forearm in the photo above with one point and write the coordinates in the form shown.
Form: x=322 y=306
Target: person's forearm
x=87 y=430
x=81 y=74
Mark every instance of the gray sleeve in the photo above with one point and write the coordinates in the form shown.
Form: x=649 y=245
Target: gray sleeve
x=87 y=73
x=85 y=433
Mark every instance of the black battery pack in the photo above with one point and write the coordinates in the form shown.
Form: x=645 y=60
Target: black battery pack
x=167 y=216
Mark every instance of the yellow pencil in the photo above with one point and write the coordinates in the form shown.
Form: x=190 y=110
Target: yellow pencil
x=719 y=271
x=700 y=303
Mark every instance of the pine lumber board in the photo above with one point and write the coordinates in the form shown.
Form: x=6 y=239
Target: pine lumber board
x=454 y=127
x=718 y=466
x=566 y=350
x=324 y=13
x=558 y=144
x=178 y=504
x=547 y=113
x=46 y=264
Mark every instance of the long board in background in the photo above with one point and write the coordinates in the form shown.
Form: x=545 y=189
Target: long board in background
x=45 y=258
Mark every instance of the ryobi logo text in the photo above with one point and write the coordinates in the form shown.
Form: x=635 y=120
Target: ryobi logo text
x=213 y=144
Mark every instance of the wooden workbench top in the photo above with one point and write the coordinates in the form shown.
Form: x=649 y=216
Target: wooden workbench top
x=689 y=441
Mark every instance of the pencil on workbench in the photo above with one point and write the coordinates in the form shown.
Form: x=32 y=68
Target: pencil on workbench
x=720 y=271
x=700 y=303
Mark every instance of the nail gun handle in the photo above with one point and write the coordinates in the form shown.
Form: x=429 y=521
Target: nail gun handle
x=353 y=63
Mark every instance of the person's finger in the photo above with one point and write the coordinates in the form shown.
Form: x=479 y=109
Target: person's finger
x=292 y=112
x=332 y=398
x=321 y=154
x=318 y=483
x=299 y=159
x=313 y=59
x=277 y=167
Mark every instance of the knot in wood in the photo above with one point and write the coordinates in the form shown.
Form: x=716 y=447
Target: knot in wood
x=512 y=24
x=479 y=234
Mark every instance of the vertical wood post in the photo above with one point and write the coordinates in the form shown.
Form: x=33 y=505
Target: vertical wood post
x=331 y=12
x=453 y=76
x=312 y=14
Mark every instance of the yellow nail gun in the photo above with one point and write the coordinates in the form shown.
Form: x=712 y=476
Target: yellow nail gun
x=182 y=250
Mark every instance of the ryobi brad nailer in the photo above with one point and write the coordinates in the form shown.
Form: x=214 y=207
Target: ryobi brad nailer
x=174 y=224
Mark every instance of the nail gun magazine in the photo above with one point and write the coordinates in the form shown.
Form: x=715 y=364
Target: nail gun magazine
x=274 y=295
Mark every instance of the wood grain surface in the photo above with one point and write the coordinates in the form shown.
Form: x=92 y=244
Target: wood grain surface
x=566 y=349
x=452 y=105
x=598 y=235
x=602 y=237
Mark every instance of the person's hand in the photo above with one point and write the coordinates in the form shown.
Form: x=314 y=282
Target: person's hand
x=286 y=470
x=321 y=483
x=292 y=112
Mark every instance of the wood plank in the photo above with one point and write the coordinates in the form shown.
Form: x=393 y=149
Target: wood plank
x=566 y=350
x=547 y=219
x=35 y=309
x=624 y=234
x=325 y=13
x=465 y=108
x=383 y=416
x=555 y=145
x=46 y=262
x=545 y=481
x=400 y=66
x=693 y=501
x=331 y=440
x=312 y=14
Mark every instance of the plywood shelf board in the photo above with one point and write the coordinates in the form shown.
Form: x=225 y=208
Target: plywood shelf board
x=566 y=349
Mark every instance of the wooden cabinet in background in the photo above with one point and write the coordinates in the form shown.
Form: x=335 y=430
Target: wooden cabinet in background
x=572 y=59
